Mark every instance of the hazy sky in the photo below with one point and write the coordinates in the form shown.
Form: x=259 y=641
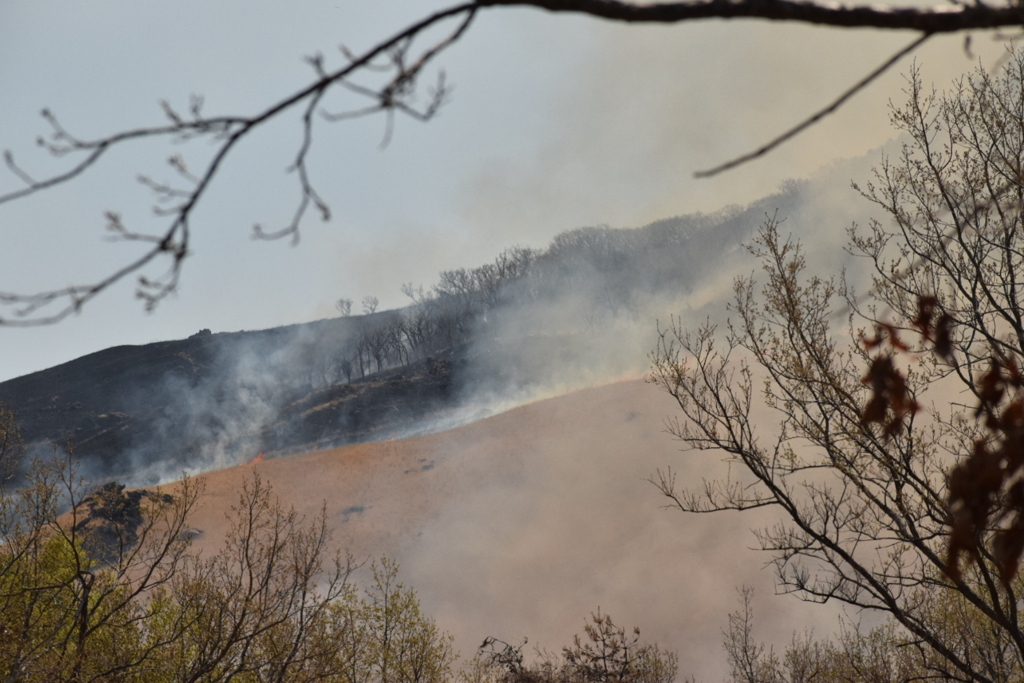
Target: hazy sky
x=555 y=122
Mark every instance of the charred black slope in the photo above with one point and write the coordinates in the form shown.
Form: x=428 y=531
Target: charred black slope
x=144 y=413
x=92 y=401
x=126 y=412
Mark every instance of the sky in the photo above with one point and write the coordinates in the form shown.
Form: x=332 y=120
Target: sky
x=555 y=122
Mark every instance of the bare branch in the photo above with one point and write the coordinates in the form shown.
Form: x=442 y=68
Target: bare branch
x=817 y=116
x=935 y=19
x=395 y=55
x=229 y=131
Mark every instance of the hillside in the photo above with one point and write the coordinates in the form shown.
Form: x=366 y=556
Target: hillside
x=523 y=523
x=531 y=323
x=492 y=437
x=112 y=404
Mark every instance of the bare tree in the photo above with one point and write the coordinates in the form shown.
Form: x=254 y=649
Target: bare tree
x=397 y=351
x=110 y=591
x=859 y=465
x=605 y=653
x=378 y=341
x=749 y=661
x=347 y=362
x=370 y=305
x=459 y=296
x=71 y=584
x=421 y=325
x=257 y=605
x=876 y=655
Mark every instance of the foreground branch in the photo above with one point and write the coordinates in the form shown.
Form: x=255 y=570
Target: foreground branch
x=936 y=19
x=398 y=57
x=397 y=93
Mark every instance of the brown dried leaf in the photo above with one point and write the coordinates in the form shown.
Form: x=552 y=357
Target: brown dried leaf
x=872 y=343
x=888 y=391
x=973 y=487
x=943 y=340
x=893 y=428
x=1007 y=548
x=991 y=389
x=925 y=311
x=875 y=410
x=894 y=338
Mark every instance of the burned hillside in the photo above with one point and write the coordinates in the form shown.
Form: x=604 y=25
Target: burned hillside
x=478 y=340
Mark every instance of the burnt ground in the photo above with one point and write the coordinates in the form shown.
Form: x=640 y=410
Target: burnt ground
x=376 y=407
x=143 y=414
x=113 y=410
x=91 y=403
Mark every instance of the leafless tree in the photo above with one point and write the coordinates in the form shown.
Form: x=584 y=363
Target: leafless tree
x=875 y=655
x=68 y=582
x=111 y=591
x=398 y=351
x=347 y=360
x=420 y=325
x=257 y=605
x=459 y=300
x=514 y=263
x=377 y=338
x=370 y=305
x=895 y=470
x=605 y=653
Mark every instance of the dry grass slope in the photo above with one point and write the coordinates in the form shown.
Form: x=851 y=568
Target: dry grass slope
x=523 y=523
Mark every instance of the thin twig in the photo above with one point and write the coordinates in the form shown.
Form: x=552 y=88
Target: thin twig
x=817 y=116
x=396 y=95
x=174 y=241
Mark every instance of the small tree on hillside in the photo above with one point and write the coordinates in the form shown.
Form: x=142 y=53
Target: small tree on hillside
x=857 y=465
x=605 y=653
x=876 y=655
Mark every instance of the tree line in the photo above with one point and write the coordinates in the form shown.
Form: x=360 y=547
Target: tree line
x=586 y=276
x=436 y=319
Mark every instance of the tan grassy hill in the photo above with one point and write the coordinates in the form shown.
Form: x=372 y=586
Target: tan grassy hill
x=522 y=523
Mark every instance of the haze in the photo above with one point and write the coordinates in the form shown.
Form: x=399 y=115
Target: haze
x=555 y=123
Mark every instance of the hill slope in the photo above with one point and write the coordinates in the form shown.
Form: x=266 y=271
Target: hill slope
x=533 y=321
x=523 y=523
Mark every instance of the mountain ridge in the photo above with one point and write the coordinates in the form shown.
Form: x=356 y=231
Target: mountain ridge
x=579 y=312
